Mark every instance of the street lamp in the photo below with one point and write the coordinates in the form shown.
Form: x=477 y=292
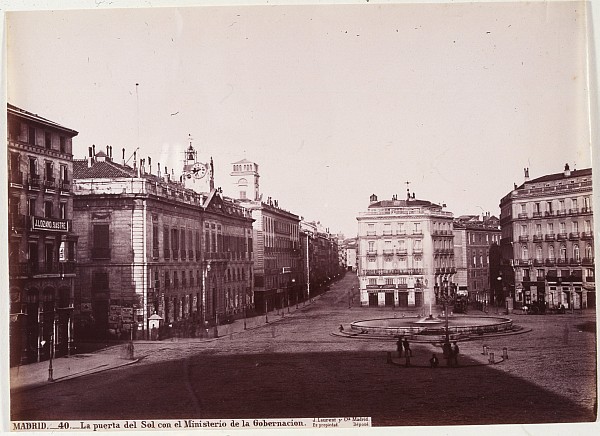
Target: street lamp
x=445 y=300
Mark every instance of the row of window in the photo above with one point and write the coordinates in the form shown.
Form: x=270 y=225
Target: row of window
x=189 y=279
x=477 y=238
x=34 y=170
x=51 y=208
x=400 y=245
x=50 y=139
x=562 y=252
x=563 y=205
x=562 y=227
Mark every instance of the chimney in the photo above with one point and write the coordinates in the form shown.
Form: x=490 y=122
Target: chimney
x=110 y=149
x=413 y=196
x=526 y=170
x=158 y=171
x=107 y=151
x=89 y=157
x=123 y=156
x=94 y=150
x=567 y=170
x=134 y=160
x=149 y=165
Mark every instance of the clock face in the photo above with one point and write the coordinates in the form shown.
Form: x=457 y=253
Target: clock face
x=199 y=170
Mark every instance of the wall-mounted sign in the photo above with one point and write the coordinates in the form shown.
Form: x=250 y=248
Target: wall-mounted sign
x=49 y=224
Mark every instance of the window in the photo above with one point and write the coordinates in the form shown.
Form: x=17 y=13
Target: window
x=50 y=171
x=371 y=246
x=62 y=211
x=387 y=229
x=576 y=252
x=562 y=228
x=63 y=144
x=31 y=206
x=563 y=252
x=524 y=252
x=574 y=203
x=524 y=230
x=537 y=208
x=372 y=281
x=549 y=207
x=64 y=176
x=32 y=255
x=33 y=171
x=389 y=281
x=417 y=228
x=538 y=229
x=101 y=247
x=588 y=251
x=100 y=281
x=550 y=227
x=49 y=256
x=243 y=195
x=167 y=280
x=47 y=140
x=48 y=209
x=166 y=243
x=538 y=252
x=31 y=135
x=175 y=243
x=551 y=252
x=575 y=226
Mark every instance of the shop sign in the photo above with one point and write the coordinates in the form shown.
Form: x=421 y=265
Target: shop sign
x=127 y=314
x=49 y=225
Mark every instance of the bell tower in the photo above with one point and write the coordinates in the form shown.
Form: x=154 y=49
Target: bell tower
x=245 y=180
x=196 y=175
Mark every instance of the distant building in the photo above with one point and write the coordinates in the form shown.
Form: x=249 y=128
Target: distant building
x=278 y=278
x=41 y=242
x=473 y=238
x=405 y=253
x=349 y=247
x=149 y=245
x=547 y=236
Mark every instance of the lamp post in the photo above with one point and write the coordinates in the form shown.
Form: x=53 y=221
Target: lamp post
x=445 y=300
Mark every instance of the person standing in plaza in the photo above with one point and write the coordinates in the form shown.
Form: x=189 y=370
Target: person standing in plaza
x=447 y=352
x=455 y=351
x=399 y=346
x=407 y=350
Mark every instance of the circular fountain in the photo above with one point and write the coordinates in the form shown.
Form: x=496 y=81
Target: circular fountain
x=433 y=329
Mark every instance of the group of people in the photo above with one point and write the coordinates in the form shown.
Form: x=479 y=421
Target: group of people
x=450 y=353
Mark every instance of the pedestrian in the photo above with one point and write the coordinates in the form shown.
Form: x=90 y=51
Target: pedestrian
x=455 y=351
x=447 y=350
x=341 y=328
x=399 y=346
x=407 y=350
x=434 y=362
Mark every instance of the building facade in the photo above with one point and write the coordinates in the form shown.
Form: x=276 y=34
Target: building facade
x=473 y=238
x=151 y=246
x=278 y=277
x=41 y=241
x=405 y=253
x=547 y=233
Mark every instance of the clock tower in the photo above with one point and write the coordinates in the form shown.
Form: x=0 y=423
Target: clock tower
x=196 y=175
x=244 y=177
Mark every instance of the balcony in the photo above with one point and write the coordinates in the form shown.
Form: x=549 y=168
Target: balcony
x=22 y=269
x=371 y=252
x=522 y=262
x=524 y=238
x=417 y=251
x=590 y=279
x=506 y=240
x=183 y=254
x=574 y=261
x=64 y=186
x=574 y=211
x=537 y=214
x=562 y=262
x=538 y=262
x=401 y=252
x=68 y=267
x=50 y=184
x=550 y=262
x=388 y=252
x=574 y=236
x=586 y=210
x=538 y=237
x=155 y=253
x=15 y=179
x=561 y=212
x=417 y=233
x=550 y=237
x=100 y=253
x=548 y=213
x=587 y=235
x=387 y=233
x=371 y=233
x=522 y=216
x=191 y=254
x=561 y=237
x=588 y=261
x=166 y=253
x=33 y=183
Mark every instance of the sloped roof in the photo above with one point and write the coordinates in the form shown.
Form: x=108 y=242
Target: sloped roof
x=243 y=161
x=402 y=203
x=560 y=176
x=100 y=170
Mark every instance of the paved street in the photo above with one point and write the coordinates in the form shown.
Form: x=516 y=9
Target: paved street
x=296 y=367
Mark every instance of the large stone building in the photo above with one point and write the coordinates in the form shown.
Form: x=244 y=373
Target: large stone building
x=41 y=242
x=278 y=277
x=547 y=236
x=149 y=245
x=473 y=238
x=405 y=253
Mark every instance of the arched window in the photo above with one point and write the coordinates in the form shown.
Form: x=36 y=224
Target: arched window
x=563 y=252
x=588 y=251
x=538 y=252
x=242 y=182
x=551 y=252
x=576 y=252
x=524 y=252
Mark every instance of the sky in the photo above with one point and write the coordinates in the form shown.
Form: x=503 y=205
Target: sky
x=334 y=102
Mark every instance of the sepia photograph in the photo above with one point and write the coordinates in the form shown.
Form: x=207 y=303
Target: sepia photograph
x=365 y=216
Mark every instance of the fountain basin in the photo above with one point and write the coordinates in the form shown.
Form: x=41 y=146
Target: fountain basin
x=434 y=329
